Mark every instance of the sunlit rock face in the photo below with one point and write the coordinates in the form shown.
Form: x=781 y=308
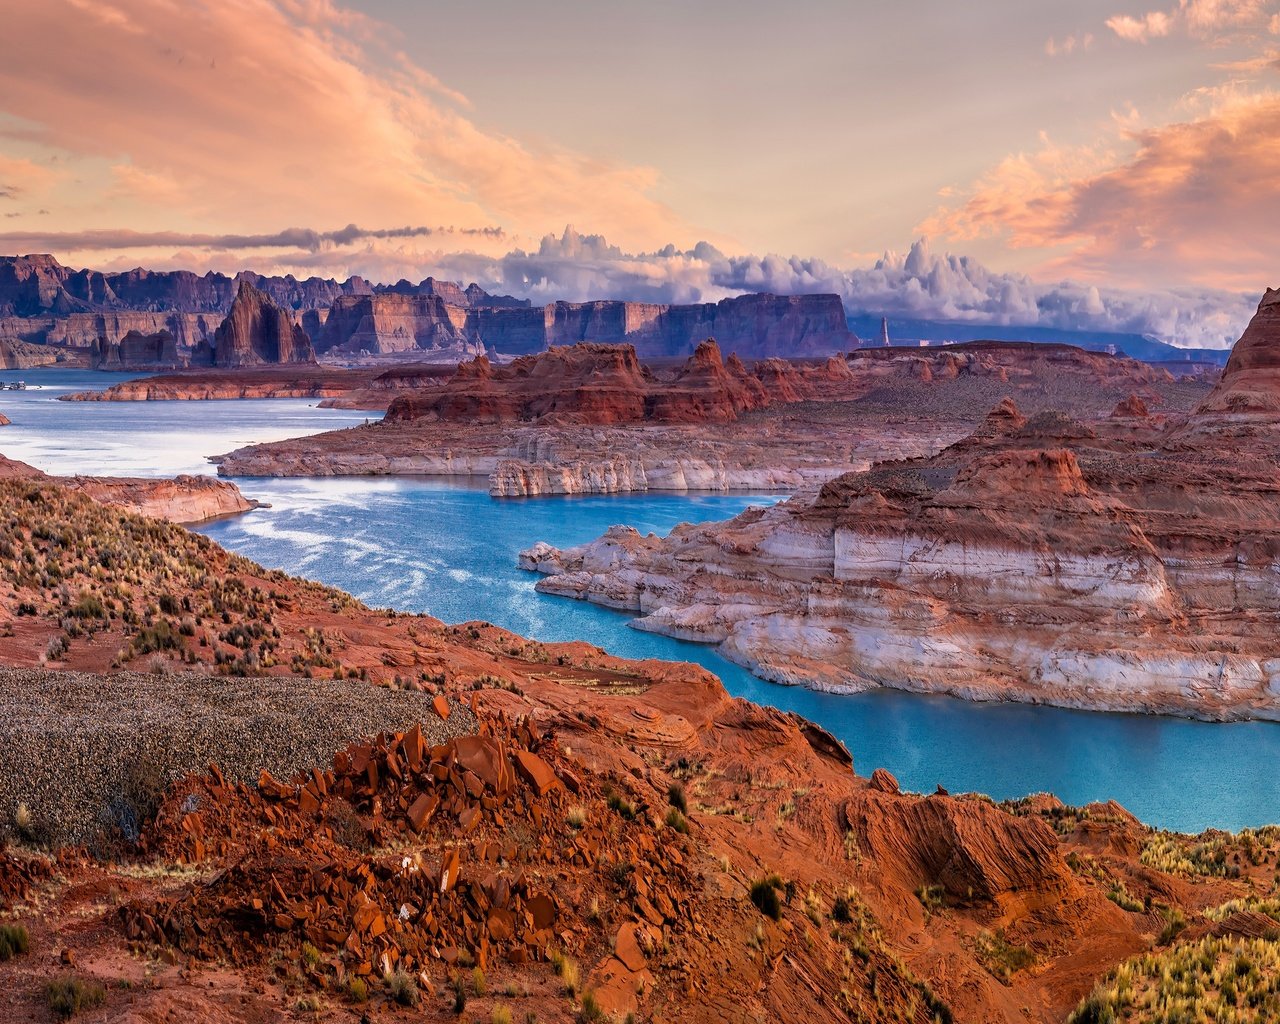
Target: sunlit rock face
x=1128 y=564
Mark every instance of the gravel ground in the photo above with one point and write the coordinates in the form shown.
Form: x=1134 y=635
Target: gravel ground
x=89 y=754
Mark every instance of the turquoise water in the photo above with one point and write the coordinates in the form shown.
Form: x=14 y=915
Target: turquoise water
x=451 y=551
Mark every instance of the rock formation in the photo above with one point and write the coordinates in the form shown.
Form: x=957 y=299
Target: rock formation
x=137 y=351
x=43 y=302
x=1120 y=565
x=291 y=381
x=1248 y=393
x=184 y=499
x=21 y=355
x=256 y=332
x=778 y=425
x=606 y=385
x=394 y=322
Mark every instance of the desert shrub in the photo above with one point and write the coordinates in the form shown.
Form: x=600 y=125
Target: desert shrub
x=676 y=797
x=161 y=636
x=68 y=995
x=620 y=804
x=403 y=988
x=1218 y=978
x=932 y=897
x=567 y=969
x=677 y=821
x=1121 y=897
x=764 y=894
x=591 y=1012
x=89 y=606
x=1002 y=957
x=14 y=941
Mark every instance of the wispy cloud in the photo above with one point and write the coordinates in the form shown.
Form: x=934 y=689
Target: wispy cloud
x=1068 y=45
x=240 y=112
x=308 y=239
x=1200 y=19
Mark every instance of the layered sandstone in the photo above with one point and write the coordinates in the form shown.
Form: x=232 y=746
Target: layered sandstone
x=43 y=302
x=137 y=351
x=392 y=323
x=1128 y=564
x=757 y=326
x=797 y=423
x=305 y=381
x=255 y=332
x=21 y=355
x=604 y=385
x=186 y=499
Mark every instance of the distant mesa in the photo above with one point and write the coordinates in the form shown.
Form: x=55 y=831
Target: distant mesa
x=44 y=303
x=137 y=351
x=756 y=326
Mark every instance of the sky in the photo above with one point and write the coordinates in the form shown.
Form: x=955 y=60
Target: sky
x=1110 y=164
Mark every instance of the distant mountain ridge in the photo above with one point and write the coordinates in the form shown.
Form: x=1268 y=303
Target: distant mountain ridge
x=44 y=303
x=38 y=285
x=904 y=331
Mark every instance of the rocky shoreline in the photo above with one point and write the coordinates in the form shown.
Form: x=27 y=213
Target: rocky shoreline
x=186 y=499
x=1127 y=564
x=607 y=425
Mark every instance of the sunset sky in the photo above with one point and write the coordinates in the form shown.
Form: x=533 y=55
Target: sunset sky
x=1113 y=162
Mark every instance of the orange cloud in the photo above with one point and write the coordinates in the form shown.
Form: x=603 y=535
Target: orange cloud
x=1203 y=19
x=1188 y=201
x=232 y=114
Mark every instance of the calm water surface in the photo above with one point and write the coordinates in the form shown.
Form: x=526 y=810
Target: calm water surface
x=451 y=551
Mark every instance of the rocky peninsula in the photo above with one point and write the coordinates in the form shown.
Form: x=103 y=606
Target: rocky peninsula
x=186 y=499
x=1124 y=564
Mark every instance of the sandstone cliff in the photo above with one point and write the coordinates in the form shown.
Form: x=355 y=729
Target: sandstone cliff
x=290 y=381
x=21 y=355
x=137 y=351
x=395 y=322
x=256 y=332
x=184 y=499
x=776 y=425
x=1121 y=565
x=756 y=326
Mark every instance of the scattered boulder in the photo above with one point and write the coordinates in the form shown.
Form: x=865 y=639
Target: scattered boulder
x=883 y=781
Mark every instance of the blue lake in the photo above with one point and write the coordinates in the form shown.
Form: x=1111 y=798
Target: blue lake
x=451 y=551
